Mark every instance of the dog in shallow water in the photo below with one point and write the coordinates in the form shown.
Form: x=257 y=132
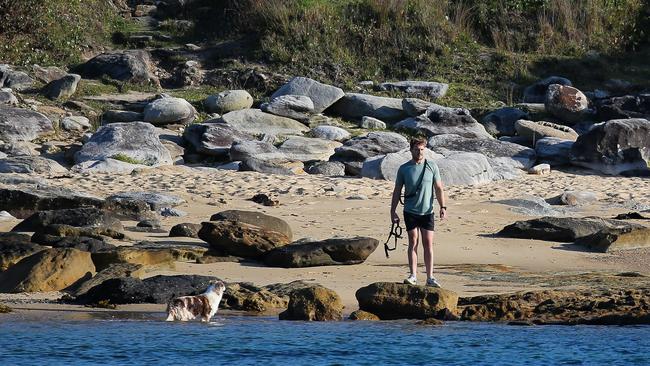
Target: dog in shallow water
x=185 y=308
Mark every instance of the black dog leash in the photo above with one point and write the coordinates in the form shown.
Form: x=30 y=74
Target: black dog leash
x=396 y=232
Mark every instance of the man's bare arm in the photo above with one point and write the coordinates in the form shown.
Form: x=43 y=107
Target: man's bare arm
x=440 y=196
x=397 y=191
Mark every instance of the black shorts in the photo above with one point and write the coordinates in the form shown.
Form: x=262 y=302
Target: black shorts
x=412 y=221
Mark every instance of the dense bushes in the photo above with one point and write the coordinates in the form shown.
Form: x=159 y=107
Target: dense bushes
x=53 y=31
x=375 y=39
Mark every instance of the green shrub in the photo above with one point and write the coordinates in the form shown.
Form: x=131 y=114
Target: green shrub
x=54 y=31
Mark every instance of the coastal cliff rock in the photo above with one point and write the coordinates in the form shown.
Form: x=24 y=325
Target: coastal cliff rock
x=23 y=125
x=313 y=304
x=241 y=239
x=322 y=95
x=329 y=252
x=439 y=120
x=14 y=247
x=563 y=229
x=47 y=270
x=155 y=290
x=614 y=147
x=267 y=222
x=602 y=307
x=150 y=258
x=77 y=217
x=401 y=301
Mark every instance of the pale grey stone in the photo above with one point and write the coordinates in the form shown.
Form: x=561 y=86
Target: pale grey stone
x=330 y=133
x=228 y=101
x=322 y=95
x=169 y=110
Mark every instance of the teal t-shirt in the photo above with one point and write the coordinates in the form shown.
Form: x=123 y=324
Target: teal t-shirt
x=408 y=174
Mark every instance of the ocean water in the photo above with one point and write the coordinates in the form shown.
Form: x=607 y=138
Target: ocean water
x=144 y=339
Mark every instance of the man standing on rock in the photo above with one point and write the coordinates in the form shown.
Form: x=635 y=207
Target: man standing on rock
x=419 y=177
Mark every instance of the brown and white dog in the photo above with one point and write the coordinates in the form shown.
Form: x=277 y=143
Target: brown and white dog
x=185 y=308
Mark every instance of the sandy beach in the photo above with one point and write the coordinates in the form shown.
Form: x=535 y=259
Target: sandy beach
x=468 y=258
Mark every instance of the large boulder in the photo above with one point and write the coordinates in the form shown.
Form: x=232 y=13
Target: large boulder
x=150 y=258
x=614 y=147
x=322 y=95
x=62 y=88
x=299 y=148
x=298 y=107
x=133 y=143
x=566 y=103
x=77 y=217
x=280 y=166
x=47 y=270
x=186 y=229
x=329 y=252
x=553 y=150
x=256 y=122
x=228 y=101
x=169 y=110
x=506 y=158
x=213 y=139
x=267 y=222
x=315 y=303
x=501 y=122
x=133 y=66
x=118 y=270
x=464 y=168
x=122 y=290
x=155 y=290
x=402 y=301
x=386 y=166
x=432 y=89
x=47 y=74
x=240 y=239
x=23 y=125
x=372 y=123
x=90 y=244
x=75 y=123
x=23 y=201
x=562 y=229
x=112 y=116
x=327 y=168
x=438 y=120
x=329 y=133
x=31 y=164
x=535 y=130
x=616 y=238
x=247 y=297
x=261 y=150
x=164 y=288
x=16 y=80
x=356 y=106
x=536 y=93
x=623 y=107
x=415 y=107
x=355 y=151
x=14 y=247
x=155 y=200
x=7 y=98
x=593 y=306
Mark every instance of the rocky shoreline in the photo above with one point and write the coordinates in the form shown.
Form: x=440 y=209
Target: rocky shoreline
x=104 y=197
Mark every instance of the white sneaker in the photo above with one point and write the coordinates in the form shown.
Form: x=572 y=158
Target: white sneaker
x=411 y=280
x=431 y=282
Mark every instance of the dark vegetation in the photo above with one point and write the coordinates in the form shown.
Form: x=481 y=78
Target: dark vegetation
x=486 y=49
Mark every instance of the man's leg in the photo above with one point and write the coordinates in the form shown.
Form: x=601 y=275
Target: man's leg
x=413 y=250
x=427 y=244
